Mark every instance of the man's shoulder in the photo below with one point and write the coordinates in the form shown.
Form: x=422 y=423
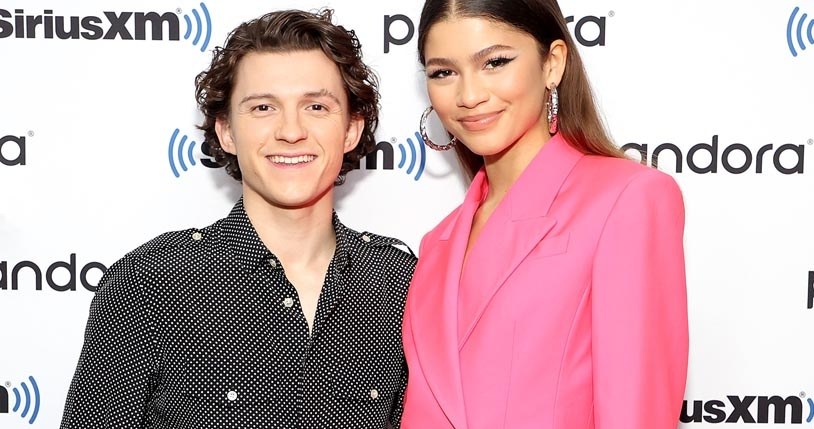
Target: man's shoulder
x=174 y=241
x=376 y=245
x=164 y=253
x=173 y=247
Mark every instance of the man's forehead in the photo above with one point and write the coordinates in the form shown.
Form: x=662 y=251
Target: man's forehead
x=301 y=73
x=310 y=64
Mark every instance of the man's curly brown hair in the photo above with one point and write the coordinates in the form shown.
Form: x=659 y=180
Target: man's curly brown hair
x=288 y=31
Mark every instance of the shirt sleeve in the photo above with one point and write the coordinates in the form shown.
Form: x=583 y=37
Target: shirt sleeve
x=639 y=308
x=111 y=388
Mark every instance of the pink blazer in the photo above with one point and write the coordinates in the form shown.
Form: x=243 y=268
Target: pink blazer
x=578 y=319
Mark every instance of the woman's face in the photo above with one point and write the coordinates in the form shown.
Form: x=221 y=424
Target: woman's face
x=487 y=83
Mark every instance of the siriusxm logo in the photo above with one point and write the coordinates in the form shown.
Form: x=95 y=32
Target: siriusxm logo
x=26 y=399
x=587 y=30
x=798 y=31
x=411 y=162
x=28 y=269
x=736 y=158
x=770 y=409
x=199 y=27
x=181 y=154
x=12 y=150
x=109 y=26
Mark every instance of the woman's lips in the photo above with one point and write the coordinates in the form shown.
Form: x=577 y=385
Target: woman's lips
x=479 y=122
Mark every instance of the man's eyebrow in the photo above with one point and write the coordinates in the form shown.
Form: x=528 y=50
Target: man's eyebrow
x=310 y=94
x=476 y=57
x=263 y=96
x=323 y=93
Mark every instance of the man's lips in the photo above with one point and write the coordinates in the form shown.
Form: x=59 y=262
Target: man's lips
x=291 y=159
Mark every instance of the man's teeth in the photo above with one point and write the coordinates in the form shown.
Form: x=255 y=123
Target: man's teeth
x=292 y=159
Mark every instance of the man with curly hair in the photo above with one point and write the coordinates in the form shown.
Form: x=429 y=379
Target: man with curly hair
x=278 y=315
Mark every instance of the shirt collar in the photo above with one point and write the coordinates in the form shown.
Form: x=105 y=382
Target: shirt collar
x=242 y=240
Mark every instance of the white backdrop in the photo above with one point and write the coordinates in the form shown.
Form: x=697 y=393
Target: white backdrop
x=87 y=155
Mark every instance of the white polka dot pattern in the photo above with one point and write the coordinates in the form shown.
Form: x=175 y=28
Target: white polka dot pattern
x=201 y=329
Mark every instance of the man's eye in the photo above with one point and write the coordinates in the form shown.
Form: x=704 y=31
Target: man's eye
x=317 y=107
x=263 y=108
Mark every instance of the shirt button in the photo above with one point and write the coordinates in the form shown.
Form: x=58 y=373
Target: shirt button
x=288 y=302
x=196 y=236
x=366 y=238
x=374 y=394
x=273 y=263
x=232 y=395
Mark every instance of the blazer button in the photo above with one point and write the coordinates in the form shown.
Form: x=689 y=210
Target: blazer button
x=288 y=302
x=232 y=395
x=374 y=394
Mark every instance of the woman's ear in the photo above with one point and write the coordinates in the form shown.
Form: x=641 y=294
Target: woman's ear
x=554 y=66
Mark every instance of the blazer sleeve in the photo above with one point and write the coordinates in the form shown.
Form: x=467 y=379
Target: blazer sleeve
x=639 y=308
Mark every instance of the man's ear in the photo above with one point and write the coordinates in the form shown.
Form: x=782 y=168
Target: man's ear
x=224 y=132
x=354 y=133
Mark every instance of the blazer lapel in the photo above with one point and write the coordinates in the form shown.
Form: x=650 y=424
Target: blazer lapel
x=434 y=317
x=521 y=222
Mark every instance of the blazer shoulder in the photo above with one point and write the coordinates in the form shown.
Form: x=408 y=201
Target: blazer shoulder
x=604 y=185
x=617 y=174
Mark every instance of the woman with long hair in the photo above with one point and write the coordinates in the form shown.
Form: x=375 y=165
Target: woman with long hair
x=554 y=296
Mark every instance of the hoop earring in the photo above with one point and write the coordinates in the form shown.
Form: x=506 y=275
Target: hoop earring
x=553 y=110
x=423 y=127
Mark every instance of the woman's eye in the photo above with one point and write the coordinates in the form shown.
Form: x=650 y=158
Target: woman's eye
x=438 y=74
x=498 y=62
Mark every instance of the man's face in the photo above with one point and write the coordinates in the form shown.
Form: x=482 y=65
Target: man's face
x=289 y=126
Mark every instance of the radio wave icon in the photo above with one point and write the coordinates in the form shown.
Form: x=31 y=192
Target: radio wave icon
x=810 y=410
x=796 y=32
x=176 y=153
x=415 y=156
x=29 y=401
x=199 y=26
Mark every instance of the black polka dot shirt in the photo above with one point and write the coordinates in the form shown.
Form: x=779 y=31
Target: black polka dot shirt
x=201 y=329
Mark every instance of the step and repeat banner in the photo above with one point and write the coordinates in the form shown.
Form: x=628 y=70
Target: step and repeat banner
x=99 y=153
